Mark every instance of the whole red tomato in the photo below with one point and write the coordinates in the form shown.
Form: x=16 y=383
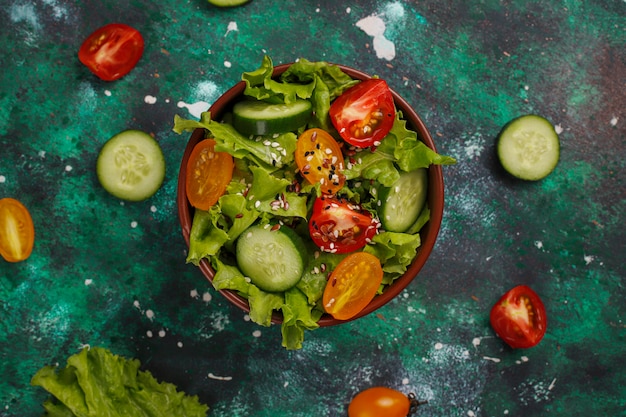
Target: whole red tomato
x=519 y=317
x=112 y=51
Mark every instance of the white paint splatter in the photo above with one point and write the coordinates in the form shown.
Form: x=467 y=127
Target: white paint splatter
x=405 y=381
x=206 y=297
x=228 y=64
x=149 y=333
x=375 y=27
x=194 y=109
x=3 y=179
x=256 y=333
x=615 y=119
x=232 y=27
x=219 y=378
x=474 y=146
x=589 y=259
x=476 y=341
x=495 y=360
x=193 y=293
x=107 y=93
x=150 y=314
x=179 y=344
x=162 y=333
x=348 y=10
x=68 y=168
x=558 y=129
x=438 y=346
x=133 y=224
x=88 y=281
x=538 y=244
x=153 y=209
x=150 y=99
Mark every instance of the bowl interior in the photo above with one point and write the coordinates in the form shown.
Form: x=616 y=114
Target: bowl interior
x=428 y=233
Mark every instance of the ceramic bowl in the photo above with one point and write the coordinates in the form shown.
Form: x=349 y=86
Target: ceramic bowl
x=428 y=233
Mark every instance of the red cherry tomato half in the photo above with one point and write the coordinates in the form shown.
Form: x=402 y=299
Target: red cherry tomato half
x=364 y=114
x=338 y=226
x=208 y=174
x=519 y=317
x=112 y=51
x=319 y=160
x=352 y=285
x=383 y=402
x=17 y=232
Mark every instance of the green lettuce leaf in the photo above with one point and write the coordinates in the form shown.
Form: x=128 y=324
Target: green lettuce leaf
x=97 y=383
x=298 y=316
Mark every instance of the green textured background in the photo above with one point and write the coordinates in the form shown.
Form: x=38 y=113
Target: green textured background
x=114 y=275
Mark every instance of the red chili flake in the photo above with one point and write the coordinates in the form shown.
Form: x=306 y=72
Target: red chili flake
x=275 y=227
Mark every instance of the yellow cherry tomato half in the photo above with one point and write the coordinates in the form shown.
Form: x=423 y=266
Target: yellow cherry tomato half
x=17 y=232
x=379 y=401
x=319 y=159
x=352 y=285
x=208 y=174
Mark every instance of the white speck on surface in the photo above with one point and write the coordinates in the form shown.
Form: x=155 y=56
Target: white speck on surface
x=476 y=341
x=219 y=378
x=149 y=333
x=438 y=346
x=150 y=99
x=194 y=109
x=375 y=27
x=179 y=344
x=348 y=10
x=42 y=154
x=68 y=168
x=206 y=297
x=538 y=244
x=162 y=333
x=256 y=333
x=524 y=358
x=88 y=281
x=615 y=119
x=137 y=305
x=232 y=27
x=150 y=314
x=495 y=360
x=153 y=209
x=133 y=224
x=551 y=387
x=3 y=179
x=228 y=64
x=405 y=381
x=558 y=129
x=193 y=293
x=589 y=259
x=471 y=413
x=107 y=93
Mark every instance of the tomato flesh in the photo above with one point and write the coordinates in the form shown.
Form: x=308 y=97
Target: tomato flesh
x=319 y=160
x=364 y=114
x=112 y=51
x=352 y=285
x=379 y=401
x=519 y=317
x=17 y=232
x=208 y=174
x=338 y=226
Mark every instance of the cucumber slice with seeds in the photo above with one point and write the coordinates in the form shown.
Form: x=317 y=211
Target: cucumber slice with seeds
x=271 y=256
x=253 y=117
x=131 y=165
x=528 y=147
x=403 y=202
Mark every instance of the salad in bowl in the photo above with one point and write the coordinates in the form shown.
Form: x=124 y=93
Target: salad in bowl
x=309 y=194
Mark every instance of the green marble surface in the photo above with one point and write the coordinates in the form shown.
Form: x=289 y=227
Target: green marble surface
x=113 y=274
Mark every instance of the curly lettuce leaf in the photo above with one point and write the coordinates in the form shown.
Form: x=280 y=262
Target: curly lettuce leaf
x=396 y=251
x=97 y=383
x=298 y=316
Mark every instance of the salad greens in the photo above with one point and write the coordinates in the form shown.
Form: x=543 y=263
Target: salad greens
x=263 y=172
x=98 y=383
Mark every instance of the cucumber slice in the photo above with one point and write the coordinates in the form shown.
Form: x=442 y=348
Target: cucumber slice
x=271 y=256
x=131 y=165
x=254 y=117
x=528 y=147
x=228 y=3
x=404 y=200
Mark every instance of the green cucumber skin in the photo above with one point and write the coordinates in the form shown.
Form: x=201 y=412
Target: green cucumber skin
x=260 y=118
x=403 y=202
x=528 y=147
x=273 y=257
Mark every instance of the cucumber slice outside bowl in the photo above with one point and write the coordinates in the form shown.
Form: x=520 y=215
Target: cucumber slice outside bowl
x=428 y=234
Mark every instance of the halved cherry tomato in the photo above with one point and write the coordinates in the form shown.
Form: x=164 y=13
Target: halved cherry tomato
x=382 y=401
x=519 y=317
x=319 y=159
x=352 y=285
x=364 y=114
x=338 y=226
x=112 y=51
x=208 y=174
x=17 y=232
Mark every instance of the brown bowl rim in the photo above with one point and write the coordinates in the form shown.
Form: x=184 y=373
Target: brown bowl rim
x=428 y=232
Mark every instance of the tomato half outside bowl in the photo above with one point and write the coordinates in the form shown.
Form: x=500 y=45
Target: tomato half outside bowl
x=428 y=233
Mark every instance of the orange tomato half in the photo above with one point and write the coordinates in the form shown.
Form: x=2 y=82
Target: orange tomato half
x=379 y=401
x=208 y=174
x=319 y=159
x=352 y=285
x=17 y=232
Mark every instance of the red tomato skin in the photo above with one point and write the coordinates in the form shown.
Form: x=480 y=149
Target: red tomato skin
x=370 y=104
x=379 y=402
x=508 y=321
x=331 y=214
x=112 y=51
x=17 y=232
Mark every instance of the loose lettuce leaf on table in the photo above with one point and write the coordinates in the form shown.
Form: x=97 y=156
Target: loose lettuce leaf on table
x=98 y=383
